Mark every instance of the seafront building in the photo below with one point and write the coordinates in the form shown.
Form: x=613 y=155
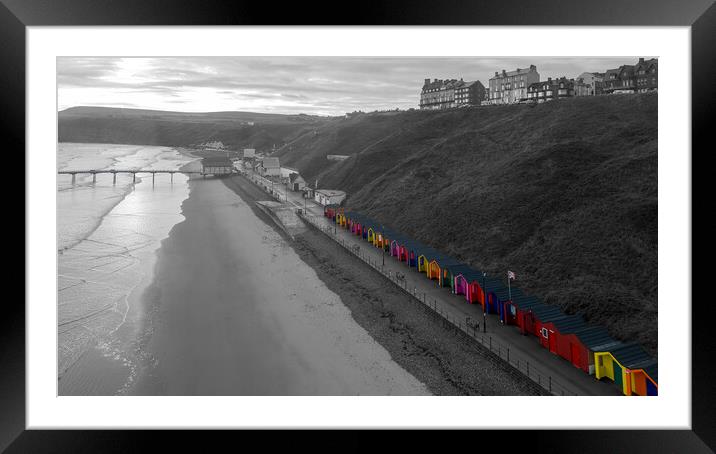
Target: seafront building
x=511 y=87
x=449 y=93
x=640 y=78
x=588 y=84
x=329 y=196
x=550 y=89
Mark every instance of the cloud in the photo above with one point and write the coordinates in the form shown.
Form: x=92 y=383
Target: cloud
x=314 y=85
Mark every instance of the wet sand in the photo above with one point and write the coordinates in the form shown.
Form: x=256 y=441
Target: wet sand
x=237 y=312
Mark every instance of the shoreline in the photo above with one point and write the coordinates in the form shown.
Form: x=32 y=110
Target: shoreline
x=445 y=363
x=107 y=363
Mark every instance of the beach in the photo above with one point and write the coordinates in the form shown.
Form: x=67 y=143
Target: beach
x=236 y=311
x=419 y=342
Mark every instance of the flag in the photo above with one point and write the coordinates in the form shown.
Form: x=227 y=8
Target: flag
x=510 y=275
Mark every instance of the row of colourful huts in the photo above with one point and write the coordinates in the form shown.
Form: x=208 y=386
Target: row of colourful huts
x=590 y=348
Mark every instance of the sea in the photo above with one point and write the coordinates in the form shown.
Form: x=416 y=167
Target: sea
x=107 y=236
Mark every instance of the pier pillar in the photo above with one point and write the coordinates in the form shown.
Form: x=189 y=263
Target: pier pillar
x=153 y=174
x=172 y=178
x=114 y=178
x=94 y=177
x=73 y=179
x=134 y=177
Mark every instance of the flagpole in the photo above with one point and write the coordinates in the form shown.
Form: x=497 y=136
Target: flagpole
x=509 y=289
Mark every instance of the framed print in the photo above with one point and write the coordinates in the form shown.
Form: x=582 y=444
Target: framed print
x=407 y=218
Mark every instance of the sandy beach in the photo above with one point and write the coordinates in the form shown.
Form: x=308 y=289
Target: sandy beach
x=235 y=311
x=417 y=341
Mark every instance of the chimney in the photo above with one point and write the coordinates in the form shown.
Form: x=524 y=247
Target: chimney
x=533 y=68
x=504 y=73
x=641 y=60
x=549 y=79
x=427 y=81
x=496 y=74
x=435 y=81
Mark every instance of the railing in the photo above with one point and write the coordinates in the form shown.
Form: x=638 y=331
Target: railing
x=265 y=184
x=496 y=351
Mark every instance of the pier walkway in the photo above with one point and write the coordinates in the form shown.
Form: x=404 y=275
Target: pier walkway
x=134 y=172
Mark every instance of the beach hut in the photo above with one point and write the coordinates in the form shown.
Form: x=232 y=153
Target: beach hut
x=619 y=364
x=460 y=277
x=371 y=235
x=579 y=346
x=437 y=268
x=544 y=314
x=643 y=382
x=452 y=272
x=524 y=318
x=559 y=329
x=490 y=299
x=511 y=310
x=505 y=312
x=424 y=255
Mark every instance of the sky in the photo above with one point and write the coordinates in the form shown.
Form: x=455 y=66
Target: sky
x=285 y=85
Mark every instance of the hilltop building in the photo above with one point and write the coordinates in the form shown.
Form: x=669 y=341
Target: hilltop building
x=511 y=87
x=469 y=93
x=588 y=84
x=647 y=75
x=639 y=78
x=550 y=89
x=445 y=94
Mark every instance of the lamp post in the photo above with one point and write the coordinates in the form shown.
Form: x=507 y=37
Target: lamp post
x=484 y=302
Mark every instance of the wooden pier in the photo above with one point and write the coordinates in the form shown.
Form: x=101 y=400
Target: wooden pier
x=134 y=173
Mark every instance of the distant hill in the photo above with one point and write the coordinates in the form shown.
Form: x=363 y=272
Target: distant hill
x=184 y=129
x=563 y=193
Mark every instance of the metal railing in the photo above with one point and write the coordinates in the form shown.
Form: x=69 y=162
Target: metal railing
x=496 y=351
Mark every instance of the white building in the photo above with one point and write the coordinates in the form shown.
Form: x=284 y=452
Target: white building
x=296 y=182
x=287 y=171
x=329 y=196
x=270 y=167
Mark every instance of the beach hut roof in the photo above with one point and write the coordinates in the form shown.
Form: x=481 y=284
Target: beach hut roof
x=632 y=355
x=569 y=323
x=524 y=302
x=594 y=336
x=504 y=293
x=444 y=260
x=546 y=313
x=471 y=275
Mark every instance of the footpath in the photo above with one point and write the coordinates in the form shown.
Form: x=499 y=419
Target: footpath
x=554 y=374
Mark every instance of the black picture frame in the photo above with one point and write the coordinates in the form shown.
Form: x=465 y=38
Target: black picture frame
x=700 y=15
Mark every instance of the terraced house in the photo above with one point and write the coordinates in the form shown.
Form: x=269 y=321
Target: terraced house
x=550 y=89
x=511 y=87
x=449 y=93
x=638 y=78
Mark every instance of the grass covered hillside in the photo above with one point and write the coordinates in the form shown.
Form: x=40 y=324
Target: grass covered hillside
x=181 y=129
x=563 y=193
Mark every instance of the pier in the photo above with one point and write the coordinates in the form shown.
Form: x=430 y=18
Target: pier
x=134 y=173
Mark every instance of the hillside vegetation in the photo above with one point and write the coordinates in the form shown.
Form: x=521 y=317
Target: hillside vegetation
x=563 y=193
x=180 y=129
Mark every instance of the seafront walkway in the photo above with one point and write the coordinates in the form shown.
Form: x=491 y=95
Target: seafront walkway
x=524 y=353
